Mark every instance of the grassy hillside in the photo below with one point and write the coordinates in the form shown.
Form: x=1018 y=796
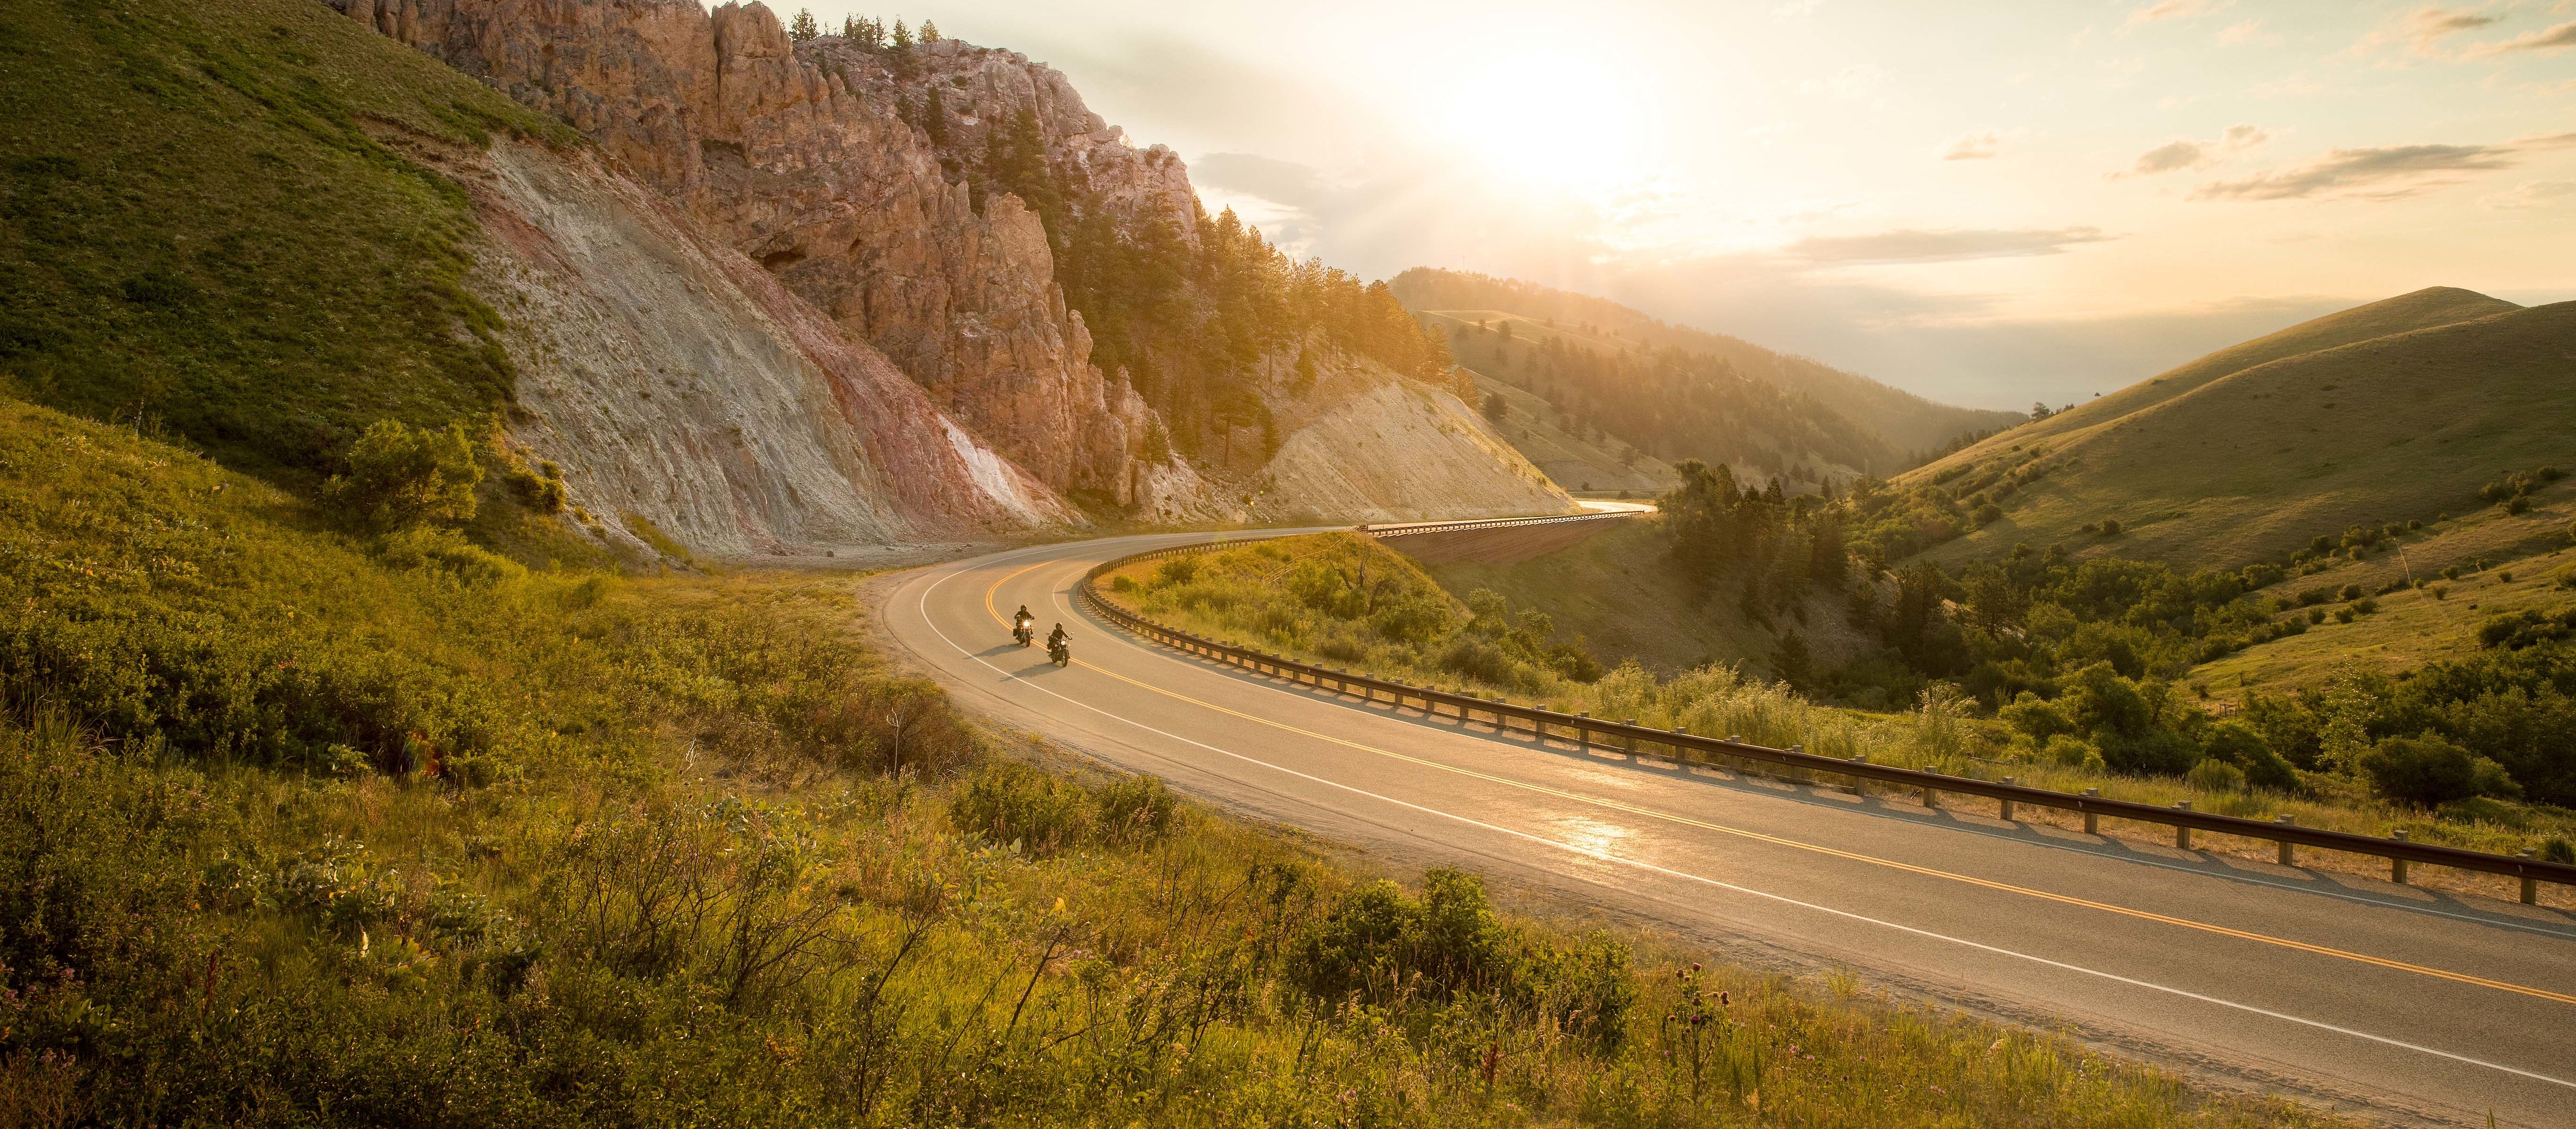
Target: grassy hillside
x=1576 y=457
x=2254 y=464
x=1619 y=592
x=1906 y=423
x=198 y=224
x=303 y=829
x=2423 y=309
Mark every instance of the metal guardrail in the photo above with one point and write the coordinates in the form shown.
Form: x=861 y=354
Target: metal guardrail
x=1409 y=528
x=1684 y=747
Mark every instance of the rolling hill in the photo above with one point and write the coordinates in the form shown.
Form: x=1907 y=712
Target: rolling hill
x=1907 y=424
x=2391 y=412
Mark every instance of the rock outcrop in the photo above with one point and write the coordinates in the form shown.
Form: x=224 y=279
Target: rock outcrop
x=678 y=383
x=825 y=185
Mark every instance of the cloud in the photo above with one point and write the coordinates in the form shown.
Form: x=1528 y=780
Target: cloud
x=2246 y=31
x=2421 y=31
x=1908 y=245
x=2532 y=194
x=2382 y=173
x=2167 y=10
x=2187 y=153
x=1973 y=147
x=2556 y=38
x=1848 y=83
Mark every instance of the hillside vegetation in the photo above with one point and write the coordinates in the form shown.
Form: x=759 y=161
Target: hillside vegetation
x=1907 y=424
x=306 y=826
x=1575 y=455
x=197 y=226
x=2252 y=464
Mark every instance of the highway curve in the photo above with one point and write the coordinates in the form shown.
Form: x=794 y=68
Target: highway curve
x=2420 y=1004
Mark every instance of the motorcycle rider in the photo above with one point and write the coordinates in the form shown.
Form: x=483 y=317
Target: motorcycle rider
x=1024 y=618
x=1058 y=637
x=1060 y=646
x=1023 y=625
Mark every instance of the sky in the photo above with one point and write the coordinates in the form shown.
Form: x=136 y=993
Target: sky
x=1985 y=203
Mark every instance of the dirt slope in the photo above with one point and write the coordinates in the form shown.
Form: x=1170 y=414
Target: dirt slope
x=1401 y=451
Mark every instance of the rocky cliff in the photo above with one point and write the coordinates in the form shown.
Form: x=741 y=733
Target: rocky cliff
x=677 y=383
x=925 y=203
x=826 y=186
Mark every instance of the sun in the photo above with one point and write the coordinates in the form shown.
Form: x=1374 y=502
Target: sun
x=1539 y=116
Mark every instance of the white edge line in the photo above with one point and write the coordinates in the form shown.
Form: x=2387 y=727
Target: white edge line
x=923 y=608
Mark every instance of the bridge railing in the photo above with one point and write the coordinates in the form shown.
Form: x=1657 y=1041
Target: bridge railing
x=1588 y=732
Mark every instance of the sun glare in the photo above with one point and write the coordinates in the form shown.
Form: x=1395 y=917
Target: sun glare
x=1539 y=117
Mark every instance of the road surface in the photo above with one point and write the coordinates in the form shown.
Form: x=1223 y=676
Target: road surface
x=2421 y=1005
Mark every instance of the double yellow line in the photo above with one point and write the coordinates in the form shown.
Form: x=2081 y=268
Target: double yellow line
x=1814 y=848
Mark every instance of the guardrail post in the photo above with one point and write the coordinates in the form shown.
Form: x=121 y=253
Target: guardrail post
x=2397 y=866
x=2288 y=855
x=1931 y=799
x=2007 y=803
x=2530 y=885
x=2093 y=819
x=1632 y=738
x=1680 y=754
x=2182 y=832
x=1583 y=733
x=1860 y=784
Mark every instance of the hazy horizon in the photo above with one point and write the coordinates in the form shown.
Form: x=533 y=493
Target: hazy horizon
x=1985 y=207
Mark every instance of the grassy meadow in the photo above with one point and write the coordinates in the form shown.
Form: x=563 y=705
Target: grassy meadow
x=1344 y=600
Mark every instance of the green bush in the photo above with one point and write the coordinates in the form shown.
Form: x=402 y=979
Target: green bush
x=2216 y=776
x=2429 y=771
x=1135 y=810
x=2236 y=744
x=398 y=478
x=1176 y=571
x=1010 y=802
x=2559 y=850
x=1378 y=945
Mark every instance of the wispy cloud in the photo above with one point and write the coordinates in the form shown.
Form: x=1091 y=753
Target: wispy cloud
x=2557 y=38
x=2245 y=31
x=1974 y=147
x=2532 y=194
x=2381 y=173
x=2422 y=30
x=2188 y=153
x=2169 y=10
x=1908 y=245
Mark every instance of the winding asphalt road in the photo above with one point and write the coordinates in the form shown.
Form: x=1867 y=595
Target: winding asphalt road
x=2410 y=1004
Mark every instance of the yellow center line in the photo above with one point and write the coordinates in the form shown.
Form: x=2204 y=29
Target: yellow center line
x=1910 y=868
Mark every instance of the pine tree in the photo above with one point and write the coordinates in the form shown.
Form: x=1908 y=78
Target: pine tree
x=803 y=27
x=902 y=36
x=929 y=32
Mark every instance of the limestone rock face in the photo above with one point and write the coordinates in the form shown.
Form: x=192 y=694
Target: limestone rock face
x=826 y=186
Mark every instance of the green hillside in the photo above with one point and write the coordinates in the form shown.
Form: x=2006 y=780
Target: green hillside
x=2253 y=464
x=201 y=222
x=1575 y=456
x=1907 y=424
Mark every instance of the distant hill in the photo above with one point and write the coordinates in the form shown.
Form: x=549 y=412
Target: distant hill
x=2395 y=411
x=1580 y=457
x=1908 y=425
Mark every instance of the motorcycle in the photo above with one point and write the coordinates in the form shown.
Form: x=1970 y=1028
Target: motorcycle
x=1024 y=631
x=1060 y=653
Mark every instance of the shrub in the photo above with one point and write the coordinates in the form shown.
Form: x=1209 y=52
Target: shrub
x=2343 y=614
x=398 y=478
x=2041 y=720
x=1136 y=810
x=1385 y=948
x=2429 y=771
x=2348 y=592
x=2559 y=850
x=2564 y=576
x=2074 y=752
x=1014 y=803
x=2216 y=777
x=1176 y=571
x=2365 y=605
x=2110 y=527
x=2237 y=744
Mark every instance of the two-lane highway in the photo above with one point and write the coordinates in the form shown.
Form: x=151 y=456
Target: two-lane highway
x=2421 y=1004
